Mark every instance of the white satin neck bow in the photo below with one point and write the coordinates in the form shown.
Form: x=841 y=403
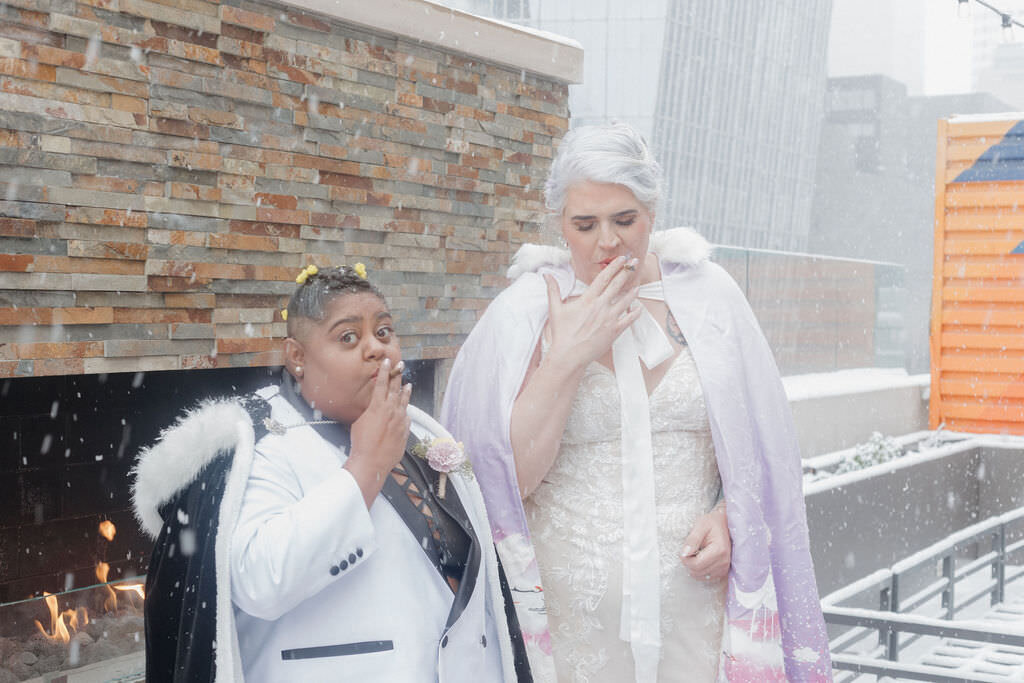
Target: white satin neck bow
x=653 y=345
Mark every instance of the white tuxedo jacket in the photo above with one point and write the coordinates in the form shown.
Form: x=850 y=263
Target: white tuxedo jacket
x=326 y=590
x=268 y=566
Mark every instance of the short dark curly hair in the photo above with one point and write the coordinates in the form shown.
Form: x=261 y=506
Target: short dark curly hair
x=310 y=299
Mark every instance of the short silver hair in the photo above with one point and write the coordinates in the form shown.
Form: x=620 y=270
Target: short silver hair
x=612 y=153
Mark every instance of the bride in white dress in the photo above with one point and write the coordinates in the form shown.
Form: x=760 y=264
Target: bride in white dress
x=602 y=396
x=590 y=521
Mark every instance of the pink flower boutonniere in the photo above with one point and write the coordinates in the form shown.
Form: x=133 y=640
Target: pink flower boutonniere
x=444 y=456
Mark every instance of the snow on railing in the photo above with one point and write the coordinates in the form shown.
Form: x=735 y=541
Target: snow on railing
x=893 y=619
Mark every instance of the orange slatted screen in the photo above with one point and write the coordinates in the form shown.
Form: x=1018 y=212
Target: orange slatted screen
x=977 y=331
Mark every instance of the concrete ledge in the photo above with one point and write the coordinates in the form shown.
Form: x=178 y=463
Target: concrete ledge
x=539 y=52
x=838 y=410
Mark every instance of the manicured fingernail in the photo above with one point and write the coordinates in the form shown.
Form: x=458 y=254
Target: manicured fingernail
x=687 y=550
x=386 y=363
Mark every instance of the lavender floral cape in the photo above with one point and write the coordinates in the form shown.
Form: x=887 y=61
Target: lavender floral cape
x=774 y=627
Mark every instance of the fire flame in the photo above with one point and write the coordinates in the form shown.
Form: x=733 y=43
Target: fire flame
x=107 y=529
x=137 y=588
x=110 y=602
x=59 y=630
x=63 y=624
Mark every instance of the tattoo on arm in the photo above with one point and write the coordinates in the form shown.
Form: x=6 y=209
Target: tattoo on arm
x=673 y=329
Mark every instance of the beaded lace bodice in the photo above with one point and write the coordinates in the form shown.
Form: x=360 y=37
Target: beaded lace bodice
x=576 y=521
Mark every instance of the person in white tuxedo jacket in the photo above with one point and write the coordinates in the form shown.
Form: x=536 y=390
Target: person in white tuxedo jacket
x=322 y=528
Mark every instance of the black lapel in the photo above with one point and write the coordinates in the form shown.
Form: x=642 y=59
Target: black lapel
x=409 y=513
x=455 y=509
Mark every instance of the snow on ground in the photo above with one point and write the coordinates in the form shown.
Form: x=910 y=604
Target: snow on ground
x=851 y=381
x=971 y=660
x=922 y=573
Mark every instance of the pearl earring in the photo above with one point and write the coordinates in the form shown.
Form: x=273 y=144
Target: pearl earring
x=298 y=369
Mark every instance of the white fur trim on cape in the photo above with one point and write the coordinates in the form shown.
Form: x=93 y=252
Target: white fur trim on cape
x=182 y=451
x=683 y=246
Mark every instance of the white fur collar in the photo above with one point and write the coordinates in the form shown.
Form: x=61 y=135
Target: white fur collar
x=676 y=245
x=182 y=451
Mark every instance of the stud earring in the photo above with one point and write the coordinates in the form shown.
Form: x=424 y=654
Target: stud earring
x=298 y=370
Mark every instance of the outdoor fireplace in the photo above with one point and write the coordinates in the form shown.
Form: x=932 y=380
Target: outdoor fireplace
x=72 y=556
x=76 y=628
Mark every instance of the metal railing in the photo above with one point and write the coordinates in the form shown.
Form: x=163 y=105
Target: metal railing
x=895 y=624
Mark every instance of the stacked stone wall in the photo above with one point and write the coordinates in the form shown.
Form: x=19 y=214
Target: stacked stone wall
x=167 y=168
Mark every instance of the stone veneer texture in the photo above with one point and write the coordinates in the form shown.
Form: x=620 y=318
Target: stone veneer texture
x=167 y=168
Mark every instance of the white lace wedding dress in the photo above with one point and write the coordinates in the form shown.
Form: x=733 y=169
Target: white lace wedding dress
x=576 y=521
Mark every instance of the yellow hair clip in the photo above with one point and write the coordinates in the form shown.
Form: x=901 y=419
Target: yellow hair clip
x=306 y=272
x=360 y=270
x=284 y=314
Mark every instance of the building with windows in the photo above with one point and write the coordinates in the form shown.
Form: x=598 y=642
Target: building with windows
x=874 y=198
x=729 y=93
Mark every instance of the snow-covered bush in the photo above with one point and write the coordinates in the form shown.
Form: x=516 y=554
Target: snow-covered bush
x=877 y=450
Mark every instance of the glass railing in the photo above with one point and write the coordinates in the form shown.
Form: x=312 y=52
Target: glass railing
x=822 y=313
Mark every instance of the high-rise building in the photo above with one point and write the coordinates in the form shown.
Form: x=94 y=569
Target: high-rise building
x=737 y=119
x=729 y=93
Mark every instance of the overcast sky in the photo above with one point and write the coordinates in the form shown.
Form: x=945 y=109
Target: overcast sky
x=921 y=43
x=947 y=47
